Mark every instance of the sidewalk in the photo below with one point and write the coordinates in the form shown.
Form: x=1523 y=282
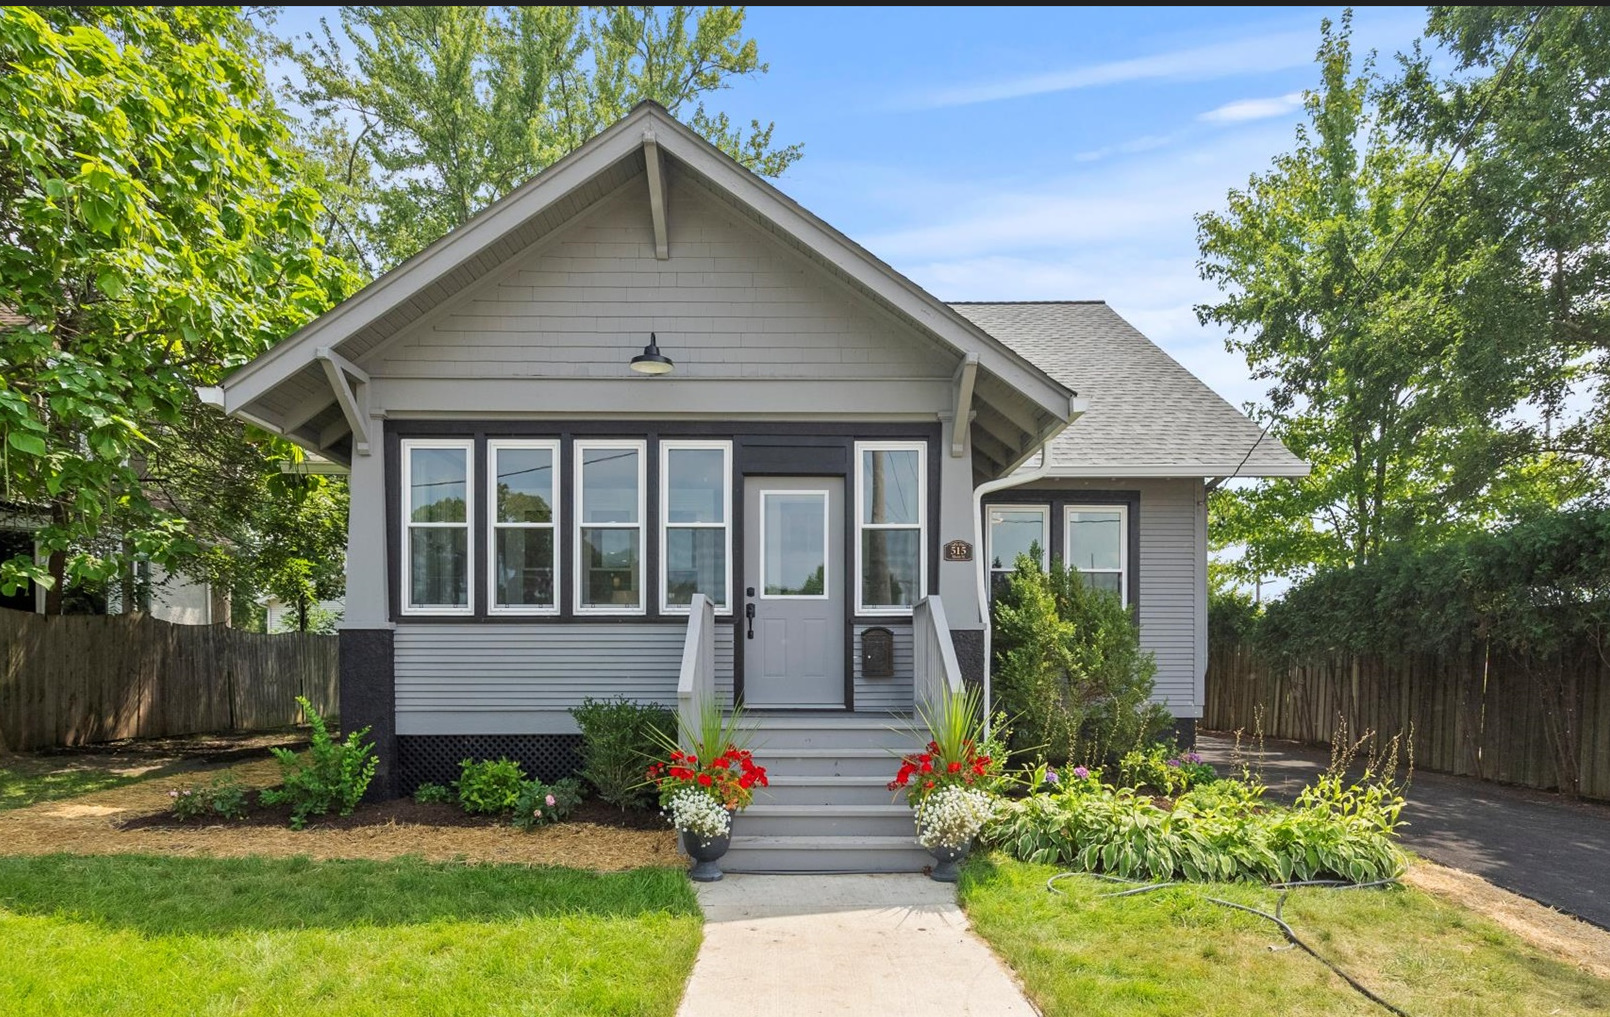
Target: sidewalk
x=813 y=946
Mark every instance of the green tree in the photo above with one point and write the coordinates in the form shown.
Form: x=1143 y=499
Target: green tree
x=1343 y=270
x=157 y=234
x=443 y=110
x=1529 y=99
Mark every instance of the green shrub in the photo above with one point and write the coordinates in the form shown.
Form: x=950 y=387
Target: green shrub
x=331 y=777
x=619 y=738
x=1219 y=832
x=224 y=797
x=1164 y=769
x=540 y=804
x=1069 y=670
x=430 y=794
x=489 y=786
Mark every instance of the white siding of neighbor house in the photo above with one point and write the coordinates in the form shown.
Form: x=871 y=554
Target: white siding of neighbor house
x=730 y=302
x=523 y=679
x=1172 y=578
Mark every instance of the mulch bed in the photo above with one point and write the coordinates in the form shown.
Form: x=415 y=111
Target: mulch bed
x=399 y=812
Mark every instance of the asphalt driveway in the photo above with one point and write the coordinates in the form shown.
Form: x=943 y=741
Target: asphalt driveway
x=1540 y=845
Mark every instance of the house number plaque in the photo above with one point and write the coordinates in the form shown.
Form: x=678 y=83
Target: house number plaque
x=958 y=550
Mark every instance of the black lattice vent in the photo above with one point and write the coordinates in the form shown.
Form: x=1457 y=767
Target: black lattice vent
x=437 y=758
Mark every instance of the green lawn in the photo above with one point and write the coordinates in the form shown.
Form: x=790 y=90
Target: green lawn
x=30 y=781
x=136 y=935
x=1172 y=953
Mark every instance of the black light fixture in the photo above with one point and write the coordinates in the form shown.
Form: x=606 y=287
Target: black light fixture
x=652 y=361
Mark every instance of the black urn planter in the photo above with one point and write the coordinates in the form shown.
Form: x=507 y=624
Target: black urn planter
x=705 y=854
x=946 y=859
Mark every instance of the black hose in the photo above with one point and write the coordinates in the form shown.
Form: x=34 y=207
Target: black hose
x=1291 y=937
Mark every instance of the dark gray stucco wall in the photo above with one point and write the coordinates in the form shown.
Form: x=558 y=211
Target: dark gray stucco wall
x=969 y=645
x=368 y=699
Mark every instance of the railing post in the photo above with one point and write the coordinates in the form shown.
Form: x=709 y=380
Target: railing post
x=696 y=682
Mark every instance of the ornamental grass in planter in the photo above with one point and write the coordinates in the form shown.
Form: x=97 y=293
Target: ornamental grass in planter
x=702 y=786
x=950 y=783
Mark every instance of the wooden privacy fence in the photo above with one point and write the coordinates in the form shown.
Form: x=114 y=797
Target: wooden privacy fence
x=1515 y=718
x=84 y=678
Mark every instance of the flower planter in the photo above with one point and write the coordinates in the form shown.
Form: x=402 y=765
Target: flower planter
x=705 y=854
x=945 y=861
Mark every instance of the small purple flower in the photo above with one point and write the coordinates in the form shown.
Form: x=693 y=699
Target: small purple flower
x=1051 y=777
x=1081 y=773
x=551 y=801
x=1175 y=763
x=1193 y=757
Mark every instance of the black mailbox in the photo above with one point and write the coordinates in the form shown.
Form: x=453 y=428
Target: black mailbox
x=877 y=653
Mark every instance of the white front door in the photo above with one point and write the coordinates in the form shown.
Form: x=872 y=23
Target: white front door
x=794 y=608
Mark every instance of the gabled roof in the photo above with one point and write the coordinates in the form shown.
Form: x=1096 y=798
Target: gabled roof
x=1147 y=416
x=296 y=388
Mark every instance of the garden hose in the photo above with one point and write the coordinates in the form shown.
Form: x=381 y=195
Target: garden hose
x=1137 y=887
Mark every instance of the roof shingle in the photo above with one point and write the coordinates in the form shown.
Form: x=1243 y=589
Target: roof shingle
x=1148 y=415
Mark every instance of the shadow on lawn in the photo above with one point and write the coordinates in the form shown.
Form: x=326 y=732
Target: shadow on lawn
x=162 y=896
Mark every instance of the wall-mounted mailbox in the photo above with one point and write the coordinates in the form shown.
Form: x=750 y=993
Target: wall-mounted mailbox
x=877 y=653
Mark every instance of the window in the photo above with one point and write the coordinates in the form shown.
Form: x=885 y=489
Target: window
x=891 y=512
x=793 y=544
x=523 y=508
x=695 y=523
x=438 y=504
x=1015 y=530
x=1097 y=544
x=609 y=526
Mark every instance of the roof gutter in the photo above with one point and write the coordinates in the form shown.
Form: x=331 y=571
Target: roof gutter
x=1076 y=409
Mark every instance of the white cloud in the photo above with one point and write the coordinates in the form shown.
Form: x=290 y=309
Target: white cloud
x=1243 y=110
x=1257 y=54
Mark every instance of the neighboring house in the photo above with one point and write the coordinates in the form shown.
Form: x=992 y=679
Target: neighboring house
x=535 y=518
x=281 y=616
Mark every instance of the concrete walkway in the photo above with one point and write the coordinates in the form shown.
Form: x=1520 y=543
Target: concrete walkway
x=881 y=946
x=1539 y=845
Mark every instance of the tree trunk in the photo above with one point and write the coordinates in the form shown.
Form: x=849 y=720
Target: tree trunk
x=301 y=614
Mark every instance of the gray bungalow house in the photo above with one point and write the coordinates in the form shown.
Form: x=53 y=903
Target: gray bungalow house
x=646 y=427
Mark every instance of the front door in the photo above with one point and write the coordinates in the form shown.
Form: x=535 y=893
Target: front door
x=794 y=592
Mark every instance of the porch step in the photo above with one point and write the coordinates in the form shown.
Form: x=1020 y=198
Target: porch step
x=825 y=854
x=848 y=761
x=775 y=734
x=795 y=789
x=835 y=820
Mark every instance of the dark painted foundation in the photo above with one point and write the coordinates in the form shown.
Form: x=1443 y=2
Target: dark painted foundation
x=1185 y=732
x=369 y=700
x=438 y=759
x=969 y=645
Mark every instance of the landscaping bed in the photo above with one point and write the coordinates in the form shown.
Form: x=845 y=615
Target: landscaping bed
x=1172 y=952
x=400 y=811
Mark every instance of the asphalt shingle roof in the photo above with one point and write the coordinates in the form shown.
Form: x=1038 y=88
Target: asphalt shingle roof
x=1148 y=415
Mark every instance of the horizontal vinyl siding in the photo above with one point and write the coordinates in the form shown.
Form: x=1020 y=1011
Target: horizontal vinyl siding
x=523 y=679
x=1171 y=572
x=730 y=302
x=875 y=694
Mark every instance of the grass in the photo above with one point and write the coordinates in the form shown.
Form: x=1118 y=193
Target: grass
x=1172 y=954
x=28 y=782
x=136 y=935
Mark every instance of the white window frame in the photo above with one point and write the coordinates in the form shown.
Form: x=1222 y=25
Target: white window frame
x=493 y=446
x=667 y=446
x=921 y=526
x=408 y=446
x=1123 y=543
x=827 y=546
x=578 y=492
x=989 y=536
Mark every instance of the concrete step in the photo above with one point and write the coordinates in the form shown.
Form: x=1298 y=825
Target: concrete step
x=825 y=821
x=797 y=789
x=831 y=762
x=779 y=733
x=825 y=854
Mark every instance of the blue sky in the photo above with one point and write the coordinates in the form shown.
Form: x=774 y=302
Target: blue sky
x=1040 y=153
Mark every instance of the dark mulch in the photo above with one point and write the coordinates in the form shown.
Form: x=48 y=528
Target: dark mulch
x=401 y=811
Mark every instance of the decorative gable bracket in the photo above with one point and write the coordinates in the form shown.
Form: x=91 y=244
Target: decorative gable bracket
x=354 y=403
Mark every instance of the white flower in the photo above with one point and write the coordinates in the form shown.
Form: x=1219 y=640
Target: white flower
x=695 y=812
x=952 y=817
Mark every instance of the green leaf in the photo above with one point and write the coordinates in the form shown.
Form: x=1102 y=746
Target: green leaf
x=28 y=444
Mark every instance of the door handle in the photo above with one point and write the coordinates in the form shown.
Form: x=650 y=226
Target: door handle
x=749 y=613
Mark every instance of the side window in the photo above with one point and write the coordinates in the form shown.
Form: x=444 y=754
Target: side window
x=438 y=504
x=523 y=512
x=609 y=526
x=1016 y=530
x=891 y=513
x=695 y=523
x=1097 y=544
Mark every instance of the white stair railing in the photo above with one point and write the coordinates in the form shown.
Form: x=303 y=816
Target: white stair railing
x=934 y=667
x=696 y=683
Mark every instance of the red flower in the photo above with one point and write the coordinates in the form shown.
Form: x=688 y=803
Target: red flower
x=929 y=785
x=926 y=767
x=895 y=785
x=691 y=759
x=933 y=746
x=704 y=779
x=681 y=773
x=747 y=780
x=954 y=767
x=677 y=754
x=760 y=775
x=722 y=763
x=925 y=758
